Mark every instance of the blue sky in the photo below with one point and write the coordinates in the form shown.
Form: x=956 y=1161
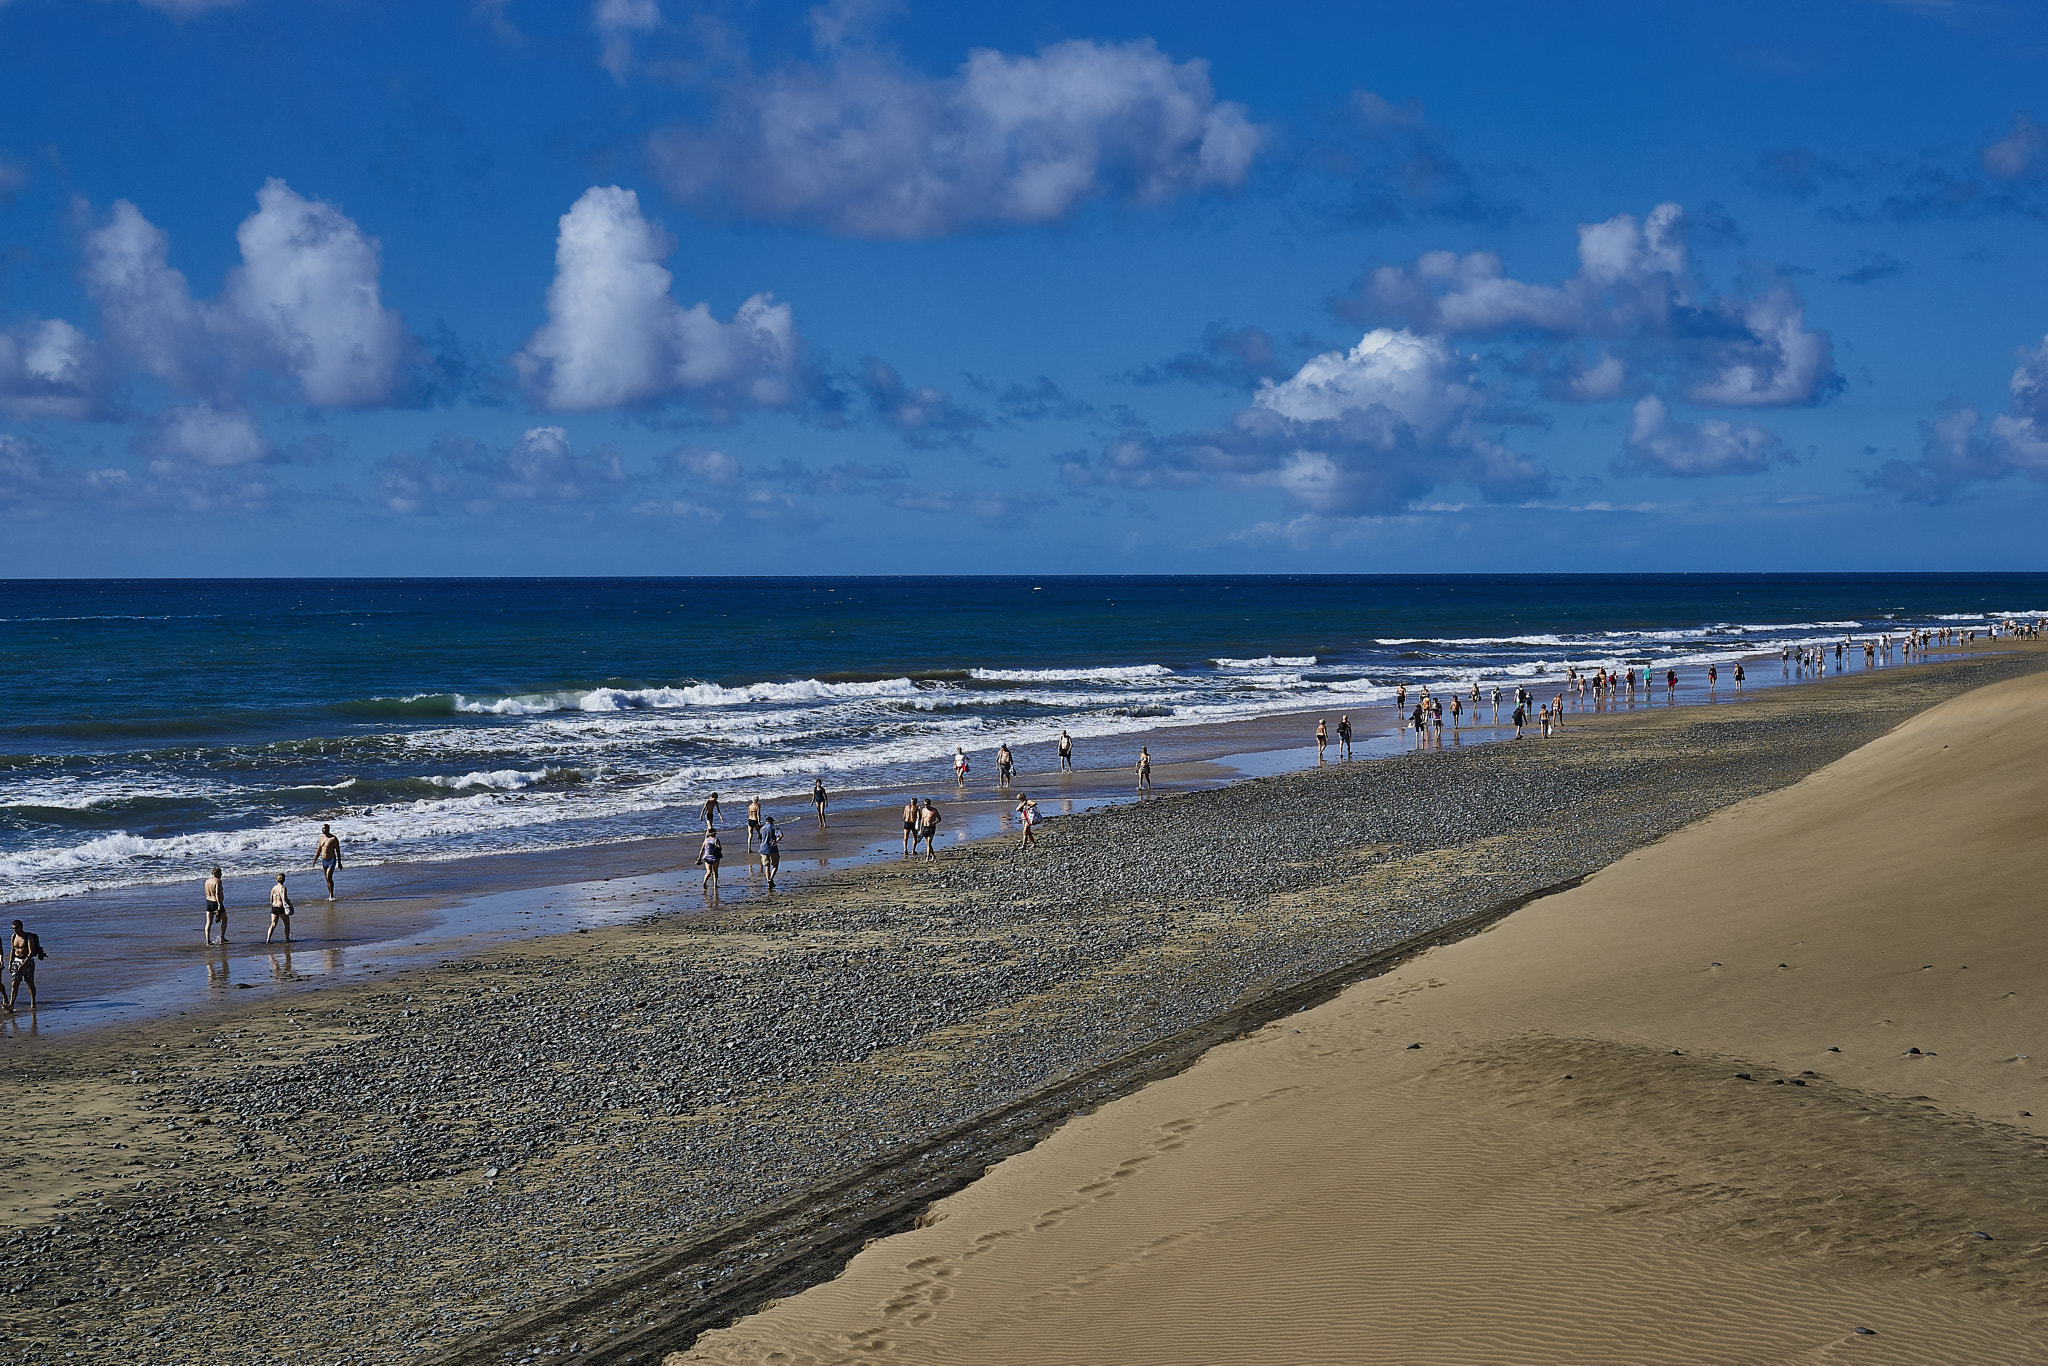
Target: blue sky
x=502 y=286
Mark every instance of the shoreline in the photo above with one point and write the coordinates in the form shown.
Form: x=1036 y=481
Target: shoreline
x=394 y=917
x=373 y=1171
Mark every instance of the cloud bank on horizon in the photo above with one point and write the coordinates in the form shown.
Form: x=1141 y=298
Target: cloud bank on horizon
x=670 y=280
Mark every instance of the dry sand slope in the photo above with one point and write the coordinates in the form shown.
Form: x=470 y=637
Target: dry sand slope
x=1570 y=1169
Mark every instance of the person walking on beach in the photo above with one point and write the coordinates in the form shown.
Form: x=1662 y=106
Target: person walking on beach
x=753 y=822
x=216 y=905
x=1415 y=720
x=326 y=853
x=1520 y=718
x=1144 y=768
x=910 y=826
x=1322 y=739
x=709 y=855
x=711 y=812
x=929 y=827
x=1006 y=764
x=1457 y=711
x=1066 y=752
x=24 y=950
x=771 y=850
x=959 y=766
x=1670 y=683
x=1344 y=736
x=1027 y=816
x=1400 y=697
x=1496 y=704
x=1738 y=675
x=818 y=799
x=280 y=911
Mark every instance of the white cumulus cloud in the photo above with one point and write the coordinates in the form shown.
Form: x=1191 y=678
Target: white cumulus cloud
x=540 y=474
x=858 y=144
x=1367 y=430
x=616 y=337
x=305 y=303
x=1658 y=445
x=618 y=23
x=1637 y=296
x=48 y=370
x=204 y=434
x=1959 y=448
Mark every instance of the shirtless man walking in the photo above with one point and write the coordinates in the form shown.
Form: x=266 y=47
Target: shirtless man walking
x=753 y=822
x=928 y=826
x=910 y=826
x=1006 y=764
x=1144 y=768
x=216 y=906
x=326 y=853
x=23 y=949
x=1066 y=753
x=1344 y=736
x=711 y=812
x=1322 y=739
x=280 y=911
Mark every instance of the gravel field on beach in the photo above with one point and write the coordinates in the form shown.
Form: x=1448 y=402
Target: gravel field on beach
x=372 y=1172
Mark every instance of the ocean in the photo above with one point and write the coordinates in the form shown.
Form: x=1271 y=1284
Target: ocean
x=155 y=727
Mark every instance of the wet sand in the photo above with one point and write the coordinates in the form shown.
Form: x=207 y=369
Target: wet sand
x=375 y=1171
x=136 y=953
x=1766 y=1090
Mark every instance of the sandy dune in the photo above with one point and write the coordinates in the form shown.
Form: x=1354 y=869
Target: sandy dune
x=1570 y=1169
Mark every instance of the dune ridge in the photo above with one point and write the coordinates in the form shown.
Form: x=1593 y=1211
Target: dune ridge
x=1572 y=1167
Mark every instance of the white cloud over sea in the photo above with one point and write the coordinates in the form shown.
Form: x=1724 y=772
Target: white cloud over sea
x=858 y=143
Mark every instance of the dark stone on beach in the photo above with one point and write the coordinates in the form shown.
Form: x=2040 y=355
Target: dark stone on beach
x=1868 y=1332
x=1833 y=1049
x=1414 y=1045
x=1977 y=1233
x=1912 y=1051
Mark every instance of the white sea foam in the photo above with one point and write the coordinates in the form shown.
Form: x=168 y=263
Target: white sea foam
x=1108 y=674
x=1267 y=662
x=508 y=779
x=688 y=695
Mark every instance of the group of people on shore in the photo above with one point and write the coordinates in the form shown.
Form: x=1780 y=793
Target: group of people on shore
x=326 y=857
x=764 y=837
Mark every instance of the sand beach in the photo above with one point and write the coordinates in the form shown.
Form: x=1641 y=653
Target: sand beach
x=1772 y=1089
x=400 y=1169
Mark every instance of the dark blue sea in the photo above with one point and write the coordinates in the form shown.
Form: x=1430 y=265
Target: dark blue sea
x=156 y=726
